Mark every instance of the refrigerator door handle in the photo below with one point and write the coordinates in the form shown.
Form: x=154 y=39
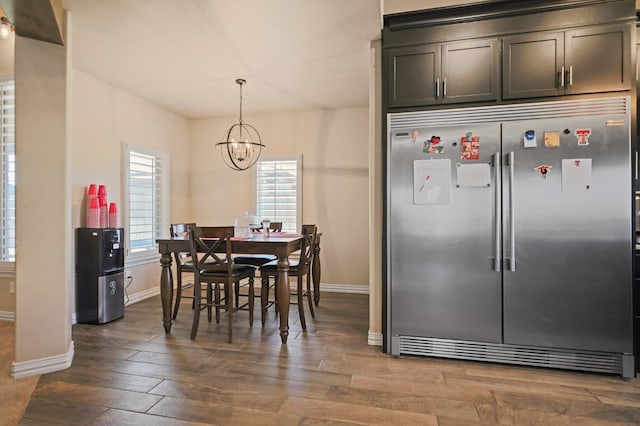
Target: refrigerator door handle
x=512 y=226
x=498 y=237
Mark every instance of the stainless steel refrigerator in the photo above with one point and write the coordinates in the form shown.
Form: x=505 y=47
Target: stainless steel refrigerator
x=509 y=234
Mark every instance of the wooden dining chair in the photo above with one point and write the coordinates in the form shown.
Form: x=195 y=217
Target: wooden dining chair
x=183 y=263
x=275 y=226
x=299 y=269
x=259 y=259
x=213 y=265
x=213 y=232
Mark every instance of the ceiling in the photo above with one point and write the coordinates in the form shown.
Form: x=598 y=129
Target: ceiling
x=185 y=55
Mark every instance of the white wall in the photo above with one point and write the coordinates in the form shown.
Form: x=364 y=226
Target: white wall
x=334 y=146
x=376 y=195
x=70 y=131
x=6 y=56
x=104 y=119
x=400 y=6
x=43 y=226
x=7 y=299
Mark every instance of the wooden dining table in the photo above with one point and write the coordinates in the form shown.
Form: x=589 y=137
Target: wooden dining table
x=279 y=244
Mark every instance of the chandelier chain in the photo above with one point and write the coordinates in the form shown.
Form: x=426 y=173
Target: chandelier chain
x=240 y=82
x=240 y=103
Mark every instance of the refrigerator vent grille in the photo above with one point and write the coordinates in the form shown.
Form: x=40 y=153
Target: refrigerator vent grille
x=530 y=111
x=600 y=362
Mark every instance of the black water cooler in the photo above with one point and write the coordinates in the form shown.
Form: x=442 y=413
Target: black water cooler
x=99 y=275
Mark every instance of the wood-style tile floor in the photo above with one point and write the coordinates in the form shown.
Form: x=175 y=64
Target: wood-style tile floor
x=130 y=373
x=14 y=394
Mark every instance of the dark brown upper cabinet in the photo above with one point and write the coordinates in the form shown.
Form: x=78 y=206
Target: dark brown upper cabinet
x=443 y=73
x=586 y=60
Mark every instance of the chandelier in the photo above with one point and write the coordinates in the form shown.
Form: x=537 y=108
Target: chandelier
x=242 y=145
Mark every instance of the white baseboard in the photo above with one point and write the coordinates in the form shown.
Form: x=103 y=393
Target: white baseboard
x=143 y=295
x=50 y=364
x=329 y=288
x=7 y=316
x=374 y=339
x=344 y=288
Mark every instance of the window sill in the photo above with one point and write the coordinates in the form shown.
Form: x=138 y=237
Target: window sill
x=7 y=269
x=141 y=260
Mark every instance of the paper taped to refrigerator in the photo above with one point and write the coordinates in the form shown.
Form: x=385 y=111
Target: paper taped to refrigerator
x=576 y=174
x=473 y=174
x=431 y=181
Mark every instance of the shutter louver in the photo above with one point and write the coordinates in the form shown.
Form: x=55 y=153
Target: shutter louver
x=8 y=171
x=145 y=201
x=277 y=192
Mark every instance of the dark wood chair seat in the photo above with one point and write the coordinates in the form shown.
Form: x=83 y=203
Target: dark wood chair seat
x=184 y=264
x=259 y=259
x=274 y=264
x=254 y=259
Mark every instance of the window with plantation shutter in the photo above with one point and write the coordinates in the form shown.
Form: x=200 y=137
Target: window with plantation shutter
x=8 y=171
x=278 y=186
x=147 y=201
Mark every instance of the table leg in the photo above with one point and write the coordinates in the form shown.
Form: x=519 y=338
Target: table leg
x=283 y=297
x=166 y=290
x=315 y=272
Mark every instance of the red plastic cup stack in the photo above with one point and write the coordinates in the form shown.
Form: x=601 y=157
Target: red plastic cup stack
x=92 y=192
x=104 y=212
x=113 y=215
x=93 y=216
x=104 y=207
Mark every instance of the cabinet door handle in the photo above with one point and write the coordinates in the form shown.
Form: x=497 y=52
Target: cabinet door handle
x=444 y=88
x=561 y=77
x=570 y=78
x=437 y=88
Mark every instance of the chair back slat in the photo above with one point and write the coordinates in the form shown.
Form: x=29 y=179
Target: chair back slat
x=309 y=241
x=210 y=248
x=180 y=230
x=215 y=231
x=275 y=226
